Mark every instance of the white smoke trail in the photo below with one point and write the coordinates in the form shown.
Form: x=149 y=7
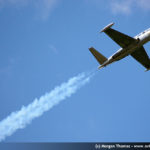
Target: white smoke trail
x=20 y=119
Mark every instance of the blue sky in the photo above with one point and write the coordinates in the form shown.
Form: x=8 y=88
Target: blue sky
x=45 y=42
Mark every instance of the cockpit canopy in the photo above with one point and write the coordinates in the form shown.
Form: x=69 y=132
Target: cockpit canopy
x=143 y=32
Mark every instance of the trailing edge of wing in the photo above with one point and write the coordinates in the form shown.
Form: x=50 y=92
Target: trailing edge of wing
x=99 y=57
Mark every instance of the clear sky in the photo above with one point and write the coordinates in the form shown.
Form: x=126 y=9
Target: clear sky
x=43 y=43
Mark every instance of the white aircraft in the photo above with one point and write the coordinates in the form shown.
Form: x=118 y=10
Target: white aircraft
x=129 y=46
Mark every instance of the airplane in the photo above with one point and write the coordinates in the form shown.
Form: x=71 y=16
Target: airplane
x=129 y=46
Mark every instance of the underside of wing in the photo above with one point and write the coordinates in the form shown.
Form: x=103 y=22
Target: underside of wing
x=120 y=38
x=141 y=56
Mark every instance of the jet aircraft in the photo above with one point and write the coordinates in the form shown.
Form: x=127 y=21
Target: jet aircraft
x=129 y=46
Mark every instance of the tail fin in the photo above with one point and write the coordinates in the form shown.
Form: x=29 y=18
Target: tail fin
x=99 y=57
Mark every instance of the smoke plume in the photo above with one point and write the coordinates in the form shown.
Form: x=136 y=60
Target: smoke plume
x=20 y=119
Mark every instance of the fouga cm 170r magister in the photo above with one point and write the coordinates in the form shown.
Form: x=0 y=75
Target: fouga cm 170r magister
x=129 y=46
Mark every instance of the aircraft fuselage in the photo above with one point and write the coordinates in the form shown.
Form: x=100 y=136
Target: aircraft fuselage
x=141 y=39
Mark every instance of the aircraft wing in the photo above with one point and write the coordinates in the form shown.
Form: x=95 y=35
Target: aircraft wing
x=141 y=56
x=120 y=38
